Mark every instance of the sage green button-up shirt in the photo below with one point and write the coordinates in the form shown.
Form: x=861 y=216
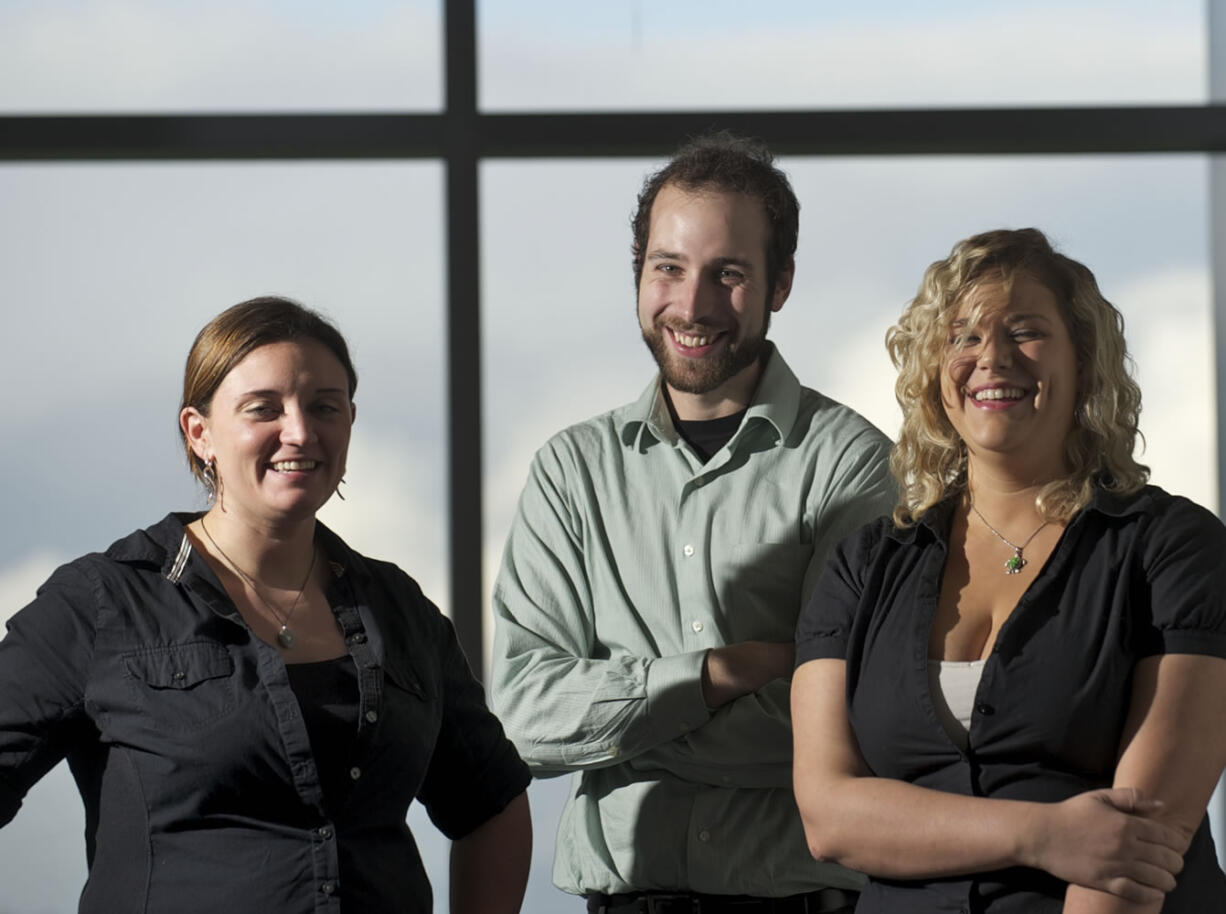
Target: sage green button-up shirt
x=627 y=560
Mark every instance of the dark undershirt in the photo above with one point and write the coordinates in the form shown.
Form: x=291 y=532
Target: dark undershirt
x=327 y=693
x=706 y=436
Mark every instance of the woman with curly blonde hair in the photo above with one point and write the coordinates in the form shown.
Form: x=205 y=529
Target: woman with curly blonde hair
x=1007 y=696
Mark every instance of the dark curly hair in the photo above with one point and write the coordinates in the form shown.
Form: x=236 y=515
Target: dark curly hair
x=725 y=162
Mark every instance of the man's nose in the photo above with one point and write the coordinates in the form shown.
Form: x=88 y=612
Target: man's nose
x=695 y=299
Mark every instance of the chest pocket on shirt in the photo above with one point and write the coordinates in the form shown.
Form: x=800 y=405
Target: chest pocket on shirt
x=182 y=686
x=759 y=588
x=412 y=716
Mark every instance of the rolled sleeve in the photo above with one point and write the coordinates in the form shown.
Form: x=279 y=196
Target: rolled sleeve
x=824 y=626
x=564 y=706
x=474 y=771
x=674 y=693
x=1184 y=568
x=44 y=664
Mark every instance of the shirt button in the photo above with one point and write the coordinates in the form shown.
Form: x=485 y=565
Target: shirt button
x=327 y=887
x=372 y=716
x=985 y=709
x=324 y=831
x=704 y=835
x=355 y=772
x=357 y=638
x=178 y=676
x=688 y=550
x=696 y=625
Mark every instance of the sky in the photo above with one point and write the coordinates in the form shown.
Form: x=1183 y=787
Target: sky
x=108 y=270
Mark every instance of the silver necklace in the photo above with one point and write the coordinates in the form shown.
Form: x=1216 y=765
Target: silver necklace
x=1015 y=563
x=285 y=637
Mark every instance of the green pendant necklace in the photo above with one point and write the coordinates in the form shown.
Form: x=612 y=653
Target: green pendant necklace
x=1015 y=563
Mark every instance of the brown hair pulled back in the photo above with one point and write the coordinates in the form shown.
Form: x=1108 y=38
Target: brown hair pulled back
x=232 y=335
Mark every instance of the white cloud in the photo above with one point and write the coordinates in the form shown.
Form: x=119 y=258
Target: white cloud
x=124 y=55
x=870 y=57
x=392 y=507
x=1168 y=327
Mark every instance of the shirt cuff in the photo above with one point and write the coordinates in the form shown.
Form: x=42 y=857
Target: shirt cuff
x=674 y=693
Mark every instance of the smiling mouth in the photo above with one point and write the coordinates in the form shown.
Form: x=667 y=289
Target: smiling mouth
x=286 y=466
x=997 y=393
x=693 y=340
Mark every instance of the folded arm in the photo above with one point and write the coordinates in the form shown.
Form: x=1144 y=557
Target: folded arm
x=567 y=701
x=1174 y=749
x=893 y=829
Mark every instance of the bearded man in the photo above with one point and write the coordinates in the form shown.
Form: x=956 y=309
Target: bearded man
x=659 y=557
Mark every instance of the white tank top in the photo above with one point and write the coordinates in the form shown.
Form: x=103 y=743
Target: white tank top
x=953 y=684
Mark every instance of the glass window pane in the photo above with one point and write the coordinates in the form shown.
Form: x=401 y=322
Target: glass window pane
x=721 y=54
x=223 y=56
x=561 y=342
x=108 y=272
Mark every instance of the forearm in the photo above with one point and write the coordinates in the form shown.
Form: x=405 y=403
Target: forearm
x=489 y=866
x=746 y=743
x=565 y=713
x=892 y=829
x=1173 y=750
x=732 y=671
x=899 y=830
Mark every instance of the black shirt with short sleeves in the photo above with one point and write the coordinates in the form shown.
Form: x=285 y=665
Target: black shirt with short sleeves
x=1131 y=577
x=193 y=751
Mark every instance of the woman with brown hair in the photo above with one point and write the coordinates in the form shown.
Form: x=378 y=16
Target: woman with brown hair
x=1008 y=695
x=249 y=706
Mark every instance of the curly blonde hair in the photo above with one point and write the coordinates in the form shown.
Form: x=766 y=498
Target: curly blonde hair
x=929 y=461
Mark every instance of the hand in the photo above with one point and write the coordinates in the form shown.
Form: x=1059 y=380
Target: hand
x=1108 y=840
x=737 y=669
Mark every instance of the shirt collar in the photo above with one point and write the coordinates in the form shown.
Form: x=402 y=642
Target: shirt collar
x=776 y=400
x=165 y=544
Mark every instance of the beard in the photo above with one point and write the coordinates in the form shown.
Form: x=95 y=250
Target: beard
x=703 y=375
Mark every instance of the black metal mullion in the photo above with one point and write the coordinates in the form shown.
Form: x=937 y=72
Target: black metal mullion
x=461 y=133
x=220 y=136
x=460 y=141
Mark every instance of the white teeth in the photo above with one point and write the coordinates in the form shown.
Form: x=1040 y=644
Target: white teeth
x=285 y=465
x=999 y=393
x=693 y=342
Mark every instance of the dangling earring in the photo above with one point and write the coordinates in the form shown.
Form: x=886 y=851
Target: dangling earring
x=209 y=475
x=338 y=488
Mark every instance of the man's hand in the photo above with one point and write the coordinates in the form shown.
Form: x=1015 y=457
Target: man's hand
x=737 y=669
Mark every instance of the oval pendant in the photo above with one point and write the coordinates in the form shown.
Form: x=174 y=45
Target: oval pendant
x=285 y=638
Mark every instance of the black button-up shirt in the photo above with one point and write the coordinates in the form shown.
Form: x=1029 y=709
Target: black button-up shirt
x=189 y=747
x=1131 y=577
